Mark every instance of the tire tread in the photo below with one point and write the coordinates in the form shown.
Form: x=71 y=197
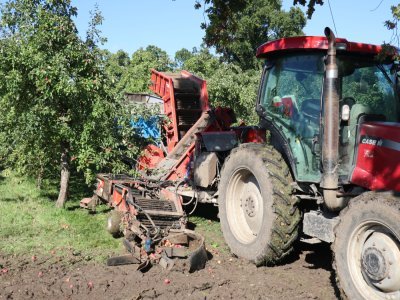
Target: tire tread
x=381 y=198
x=287 y=216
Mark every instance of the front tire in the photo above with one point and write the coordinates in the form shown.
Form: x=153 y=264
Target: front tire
x=367 y=248
x=259 y=219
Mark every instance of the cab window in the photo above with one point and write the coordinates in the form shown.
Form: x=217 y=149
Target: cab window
x=292 y=93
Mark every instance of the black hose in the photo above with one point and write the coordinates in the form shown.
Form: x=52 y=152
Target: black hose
x=176 y=194
x=195 y=206
x=194 y=197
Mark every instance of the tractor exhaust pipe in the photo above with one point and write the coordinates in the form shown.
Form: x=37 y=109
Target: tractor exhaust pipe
x=330 y=141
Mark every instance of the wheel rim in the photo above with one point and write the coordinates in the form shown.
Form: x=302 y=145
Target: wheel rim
x=244 y=205
x=373 y=257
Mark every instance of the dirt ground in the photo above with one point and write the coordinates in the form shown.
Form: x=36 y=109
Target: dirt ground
x=305 y=275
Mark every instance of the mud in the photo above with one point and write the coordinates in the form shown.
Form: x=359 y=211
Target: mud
x=307 y=274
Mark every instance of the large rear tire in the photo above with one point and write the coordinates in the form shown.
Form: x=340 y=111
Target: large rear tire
x=367 y=248
x=259 y=219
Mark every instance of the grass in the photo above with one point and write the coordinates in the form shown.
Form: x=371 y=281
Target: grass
x=30 y=222
x=206 y=223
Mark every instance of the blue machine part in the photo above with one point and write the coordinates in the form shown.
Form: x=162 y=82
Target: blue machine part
x=147 y=244
x=147 y=128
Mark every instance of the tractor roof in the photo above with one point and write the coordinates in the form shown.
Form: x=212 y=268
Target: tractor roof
x=304 y=43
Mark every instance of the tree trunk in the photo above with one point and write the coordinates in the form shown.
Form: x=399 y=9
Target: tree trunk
x=64 y=182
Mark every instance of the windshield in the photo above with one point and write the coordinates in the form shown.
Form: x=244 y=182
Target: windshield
x=370 y=85
x=292 y=92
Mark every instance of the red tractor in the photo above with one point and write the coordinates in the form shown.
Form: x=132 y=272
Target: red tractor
x=330 y=169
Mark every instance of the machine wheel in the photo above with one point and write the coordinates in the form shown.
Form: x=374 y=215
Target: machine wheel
x=367 y=248
x=259 y=219
x=114 y=223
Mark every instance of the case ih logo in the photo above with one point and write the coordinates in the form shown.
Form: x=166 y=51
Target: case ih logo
x=368 y=140
x=375 y=141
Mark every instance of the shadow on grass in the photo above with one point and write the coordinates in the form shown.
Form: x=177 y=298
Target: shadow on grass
x=75 y=207
x=15 y=199
x=101 y=209
x=78 y=189
x=205 y=211
x=50 y=195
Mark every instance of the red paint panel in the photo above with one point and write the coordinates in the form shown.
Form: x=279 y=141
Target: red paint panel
x=162 y=84
x=151 y=156
x=117 y=199
x=313 y=43
x=256 y=136
x=250 y=134
x=378 y=157
x=180 y=170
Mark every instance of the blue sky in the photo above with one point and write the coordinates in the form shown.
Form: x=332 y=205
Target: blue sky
x=175 y=24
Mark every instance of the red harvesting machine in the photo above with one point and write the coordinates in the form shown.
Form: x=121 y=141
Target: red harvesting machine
x=151 y=206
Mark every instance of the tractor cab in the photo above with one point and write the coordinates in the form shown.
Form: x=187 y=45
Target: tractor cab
x=290 y=100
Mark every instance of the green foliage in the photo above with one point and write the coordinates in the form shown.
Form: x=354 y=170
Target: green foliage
x=392 y=24
x=237 y=28
x=202 y=63
x=368 y=86
x=137 y=76
x=228 y=85
x=310 y=5
x=181 y=56
x=231 y=87
x=132 y=74
x=54 y=96
x=116 y=64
